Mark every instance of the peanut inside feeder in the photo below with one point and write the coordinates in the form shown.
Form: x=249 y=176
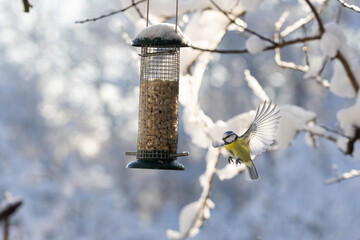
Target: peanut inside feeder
x=158 y=116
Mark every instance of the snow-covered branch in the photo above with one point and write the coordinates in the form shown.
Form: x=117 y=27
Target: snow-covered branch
x=194 y=215
x=277 y=58
x=353 y=173
x=350 y=6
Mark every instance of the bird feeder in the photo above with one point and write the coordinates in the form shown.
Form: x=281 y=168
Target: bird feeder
x=158 y=98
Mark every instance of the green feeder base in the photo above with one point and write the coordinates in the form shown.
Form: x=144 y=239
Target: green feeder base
x=156 y=164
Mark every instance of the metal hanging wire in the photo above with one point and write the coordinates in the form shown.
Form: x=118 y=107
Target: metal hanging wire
x=176 y=14
x=147 y=13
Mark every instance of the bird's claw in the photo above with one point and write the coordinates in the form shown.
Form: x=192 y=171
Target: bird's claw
x=238 y=162
x=231 y=160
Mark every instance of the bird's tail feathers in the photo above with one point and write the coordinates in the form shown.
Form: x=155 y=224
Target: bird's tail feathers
x=252 y=171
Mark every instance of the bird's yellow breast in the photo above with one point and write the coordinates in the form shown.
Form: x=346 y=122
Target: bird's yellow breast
x=239 y=149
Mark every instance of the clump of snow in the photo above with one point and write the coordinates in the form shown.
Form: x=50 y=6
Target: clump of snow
x=254 y=44
x=342 y=143
x=329 y=44
x=332 y=40
x=293 y=119
x=340 y=82
x=350 y=118
x=165 y=31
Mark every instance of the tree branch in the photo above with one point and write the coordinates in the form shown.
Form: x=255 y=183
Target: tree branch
x=277 y=45
x=205 y=196
x=314 y=131
x=301 y=22
x=111 y=13
x=353 y=173
x=27 y=5
x=350 y=146
x=8 y=207
x=233 y=20
x=277 y=57
x=317 y=17
x=348 y=70
x=349 y=6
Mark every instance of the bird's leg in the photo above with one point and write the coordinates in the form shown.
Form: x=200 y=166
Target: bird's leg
x=231 y=160
x=238 y=161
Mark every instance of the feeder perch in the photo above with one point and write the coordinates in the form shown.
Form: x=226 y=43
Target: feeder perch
x=158 y=98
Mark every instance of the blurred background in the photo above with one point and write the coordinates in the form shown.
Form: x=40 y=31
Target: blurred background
x=68 y=113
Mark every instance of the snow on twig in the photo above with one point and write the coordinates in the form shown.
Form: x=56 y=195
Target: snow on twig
x=277 y=57
x=349 y=6
x=255 y=86
x=194 y=215
x=353 y=173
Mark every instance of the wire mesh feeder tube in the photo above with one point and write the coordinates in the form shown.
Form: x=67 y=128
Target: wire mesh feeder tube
x=158 y=109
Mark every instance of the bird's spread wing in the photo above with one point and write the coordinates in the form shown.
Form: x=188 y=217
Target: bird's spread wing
x=262 y=130
x=217 y=144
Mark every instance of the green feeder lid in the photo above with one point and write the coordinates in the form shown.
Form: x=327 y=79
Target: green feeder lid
x=156 y=164
x=162 y=34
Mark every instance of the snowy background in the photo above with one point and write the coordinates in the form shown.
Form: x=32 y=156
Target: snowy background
x=68 y=100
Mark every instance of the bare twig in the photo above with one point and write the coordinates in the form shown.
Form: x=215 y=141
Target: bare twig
x=137 y=9
x=8 y=207
x=338 y=15
x=134 y=4
x=353 y=173
x=233 y=20
x=27 y=5
x=336 y=131
x=314 y=131
x=277 y=45
x=352 y=7
x=317 y=17
x=348 y=71
x=6 y=229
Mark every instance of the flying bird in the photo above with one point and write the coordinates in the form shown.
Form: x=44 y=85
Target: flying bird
x=255 y=140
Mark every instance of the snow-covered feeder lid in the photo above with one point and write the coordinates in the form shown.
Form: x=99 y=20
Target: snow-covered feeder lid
x=162 y=34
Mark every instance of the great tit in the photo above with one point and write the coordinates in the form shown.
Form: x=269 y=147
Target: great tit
x=255 y=140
